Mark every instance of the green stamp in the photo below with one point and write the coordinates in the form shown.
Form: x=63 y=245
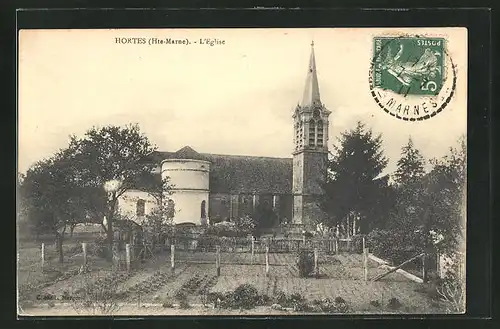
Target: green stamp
x=409 y=65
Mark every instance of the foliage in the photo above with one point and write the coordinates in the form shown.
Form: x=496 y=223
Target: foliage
x=245 y=225
x=50 y=197
x=100 y=247
x=305 y=263
x=228 y=229
x=447 y=192
x=428 y=215
x=97 y=297
x=245 y=296
x=326 y=305
x=113 y=153
x=157 y=224
x=265 y=217
x=357 y=244
x=393 y=245
x=354 y=183
x=394 y=303
x=451 y=289
x=410 y=166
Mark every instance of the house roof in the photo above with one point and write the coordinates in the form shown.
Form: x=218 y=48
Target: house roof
x=241 y=174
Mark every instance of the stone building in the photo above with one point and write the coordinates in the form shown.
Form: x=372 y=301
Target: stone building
x=218 y=187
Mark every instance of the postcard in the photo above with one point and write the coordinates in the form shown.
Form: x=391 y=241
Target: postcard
x=241 y=171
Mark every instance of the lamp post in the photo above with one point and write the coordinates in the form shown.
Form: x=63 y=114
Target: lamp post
x=111 y=187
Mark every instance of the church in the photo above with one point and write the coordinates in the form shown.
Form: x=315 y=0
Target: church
x=209 y=188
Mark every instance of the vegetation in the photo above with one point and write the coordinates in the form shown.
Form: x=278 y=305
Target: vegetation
x=69 y=187
x=354 y=184
x=305 y=263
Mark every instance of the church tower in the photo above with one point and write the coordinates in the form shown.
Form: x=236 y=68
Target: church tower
x=310 y=156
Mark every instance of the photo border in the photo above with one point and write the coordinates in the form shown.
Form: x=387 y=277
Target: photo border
x=478 y=22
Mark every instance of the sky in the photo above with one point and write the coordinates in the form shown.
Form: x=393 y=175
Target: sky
x=231 y=98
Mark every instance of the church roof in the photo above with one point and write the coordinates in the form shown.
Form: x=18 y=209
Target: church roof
x=311 y=90
x=187 y=153
x=242 y=174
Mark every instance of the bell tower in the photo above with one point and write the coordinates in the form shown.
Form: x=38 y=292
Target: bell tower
x=310 y=155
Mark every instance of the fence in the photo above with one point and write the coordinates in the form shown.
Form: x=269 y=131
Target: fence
x=275 y=245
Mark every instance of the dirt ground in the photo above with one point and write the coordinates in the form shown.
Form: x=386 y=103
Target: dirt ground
x=340 y=276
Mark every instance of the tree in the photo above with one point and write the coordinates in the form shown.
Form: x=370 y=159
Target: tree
x=447 y=184
x=410 y=166
x=51 y=197
x=115 y=154
x=354 y=182
x=411 y=201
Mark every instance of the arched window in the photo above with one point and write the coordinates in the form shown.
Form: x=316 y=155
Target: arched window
x=140 y=207
x=320 y=134
x=203 y=209
x=312 y=127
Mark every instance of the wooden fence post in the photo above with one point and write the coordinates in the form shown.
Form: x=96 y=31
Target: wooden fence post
x=253 y=248
x=84 y=249
x=316 y=269
x=424 y=268
x=267 y=261
x=43 y=255
x=127 y=256
x=337 y=246
x=365 y=259
x=217 y=259
x=365 y=252
x=172 y=258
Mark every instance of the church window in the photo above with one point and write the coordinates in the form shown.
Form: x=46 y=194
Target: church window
x=320 y=133
x=140 y=207
x=312 y=127
x=203 y=209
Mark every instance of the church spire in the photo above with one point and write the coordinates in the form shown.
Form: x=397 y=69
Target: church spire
x=311 y=90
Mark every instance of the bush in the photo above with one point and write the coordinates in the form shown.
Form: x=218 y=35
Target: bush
x=167 y=304
x=101 y=247
x=228 y=229
x=182 y=299
x=394 y=303
x=357 y=244
x=305 y=263
x=245 y=296
x=245 y=225
x=393 y=245
x=326 y=305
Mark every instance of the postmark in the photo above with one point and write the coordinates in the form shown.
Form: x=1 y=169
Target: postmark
x=412 y=78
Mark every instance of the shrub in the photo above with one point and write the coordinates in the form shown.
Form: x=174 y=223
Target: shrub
x=97 y=297
x=182 y=299
x=394 y=303
x=101 y=247
x=224 y=229
x=326 y=305
x=167 y=304
x=245 y=225
x=280 y=298
x=357 y=244
x=305 y=263
x=245 y=296
x=375 y=303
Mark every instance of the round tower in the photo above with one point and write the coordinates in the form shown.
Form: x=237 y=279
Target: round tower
x=189 y=177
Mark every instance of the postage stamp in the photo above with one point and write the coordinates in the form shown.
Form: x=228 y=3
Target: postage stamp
x=412 y=77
